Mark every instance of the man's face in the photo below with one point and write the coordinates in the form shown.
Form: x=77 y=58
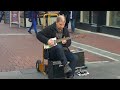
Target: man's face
x=60 y=25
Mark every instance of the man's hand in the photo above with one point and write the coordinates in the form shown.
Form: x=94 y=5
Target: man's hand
x=64 y=41
x=51 y=42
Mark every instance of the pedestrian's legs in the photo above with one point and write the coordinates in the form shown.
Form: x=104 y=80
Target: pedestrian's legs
x=66 y=25
x=30 y=28
x=46 y=20
x=73 y=60
x=73 y=24
x=35 y=25
x=0 y=19
x=39 y=21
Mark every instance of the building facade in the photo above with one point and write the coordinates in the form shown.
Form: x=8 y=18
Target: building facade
x=99 y=21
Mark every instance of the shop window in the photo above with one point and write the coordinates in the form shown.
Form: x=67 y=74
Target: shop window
x=115 y=18
x=94 y=17
x=21 y=13
x=78 y=16
x=86 y=16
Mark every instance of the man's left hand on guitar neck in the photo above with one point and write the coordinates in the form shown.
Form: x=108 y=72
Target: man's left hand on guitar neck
x=64 y=41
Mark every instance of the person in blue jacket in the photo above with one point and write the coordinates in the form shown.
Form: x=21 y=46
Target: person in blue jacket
x=33 y=18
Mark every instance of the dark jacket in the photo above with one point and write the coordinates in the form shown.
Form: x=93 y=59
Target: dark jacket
x=74 y=14
x=33 y=14
x=2 y=13
x=50 y=32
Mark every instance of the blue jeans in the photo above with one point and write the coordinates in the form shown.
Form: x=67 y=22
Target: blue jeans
x=57 y=53
x=34 y=25
x=72 y=24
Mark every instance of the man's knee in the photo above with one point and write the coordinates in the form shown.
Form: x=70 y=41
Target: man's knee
x=58 y=47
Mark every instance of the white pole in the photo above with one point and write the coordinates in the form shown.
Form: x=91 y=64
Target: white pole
x=10 y=18
x=108 y=18
x=19 y=19
x=81 y=16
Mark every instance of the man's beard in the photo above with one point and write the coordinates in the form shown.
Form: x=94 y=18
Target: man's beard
x=60 y=30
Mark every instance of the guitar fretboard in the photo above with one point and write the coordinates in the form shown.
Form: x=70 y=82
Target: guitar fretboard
x=59 y=40
x=66 y=38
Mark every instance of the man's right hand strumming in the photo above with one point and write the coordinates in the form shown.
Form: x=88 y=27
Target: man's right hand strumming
x=51 y=42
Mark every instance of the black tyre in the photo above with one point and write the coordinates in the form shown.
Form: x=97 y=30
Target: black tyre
x=38 y=65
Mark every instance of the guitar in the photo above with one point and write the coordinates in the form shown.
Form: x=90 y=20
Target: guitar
x=60 y=40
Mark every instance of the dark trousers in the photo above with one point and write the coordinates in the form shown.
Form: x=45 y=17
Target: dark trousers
x=34 y=25
x=1 y=17
x=66 y=24
x=72 y=24
x=57 y=53
x=39 y=21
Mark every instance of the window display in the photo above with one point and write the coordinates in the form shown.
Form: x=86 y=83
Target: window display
x=86 y=16
x=94 y=17
x=115 y=18
x=7 y=17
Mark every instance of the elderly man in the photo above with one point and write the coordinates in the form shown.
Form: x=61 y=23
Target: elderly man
x=61 y=50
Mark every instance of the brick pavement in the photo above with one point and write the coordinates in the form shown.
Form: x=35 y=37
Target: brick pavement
x=22 y=51
x=18 y=51
x=90 y=57
x=102 y=42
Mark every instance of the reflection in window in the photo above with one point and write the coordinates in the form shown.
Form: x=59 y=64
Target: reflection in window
x=94 y=17
x=115 y=18
x=78 y=16
x=86 y=16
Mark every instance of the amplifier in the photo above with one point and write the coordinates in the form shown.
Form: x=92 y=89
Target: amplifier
x=81 y=57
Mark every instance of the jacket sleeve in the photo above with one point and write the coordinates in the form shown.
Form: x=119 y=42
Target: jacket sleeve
x=42 y=36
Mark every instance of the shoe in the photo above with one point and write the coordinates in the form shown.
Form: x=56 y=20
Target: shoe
x=67 y=69
x=69 y=77
x=30 y=32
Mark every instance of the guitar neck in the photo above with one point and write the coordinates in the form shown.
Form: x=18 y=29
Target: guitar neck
x=66 y=38
x=60 y=40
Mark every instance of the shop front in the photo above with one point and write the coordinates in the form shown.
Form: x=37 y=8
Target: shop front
x=91 y=20
x=112 y=26
x=107 y=22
